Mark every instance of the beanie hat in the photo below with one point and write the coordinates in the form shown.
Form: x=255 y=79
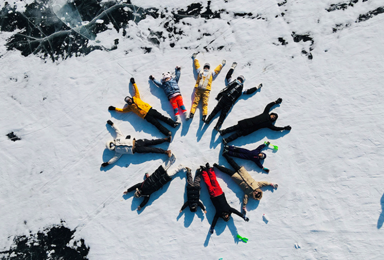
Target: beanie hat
x=276 y=116
x=128 y=97
x=241 y=78
x=137 y=193
x=207 y=65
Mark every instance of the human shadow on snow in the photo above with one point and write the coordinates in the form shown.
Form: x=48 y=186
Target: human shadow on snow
x=380 y=221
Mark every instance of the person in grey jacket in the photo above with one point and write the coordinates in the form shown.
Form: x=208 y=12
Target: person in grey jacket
x=171 y=88
x=125 y=145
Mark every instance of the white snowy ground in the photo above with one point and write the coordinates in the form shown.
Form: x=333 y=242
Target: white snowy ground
x=328 y=167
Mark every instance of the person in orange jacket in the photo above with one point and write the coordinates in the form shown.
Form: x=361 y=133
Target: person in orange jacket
x=204 y=80
x=145 y=111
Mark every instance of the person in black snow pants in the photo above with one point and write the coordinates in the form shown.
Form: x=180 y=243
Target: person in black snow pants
x=228 y=96
x=241 y=176
x=250 y=125
x=193 y=192
x=254 y=155
x=155 y=181
x=223 y=210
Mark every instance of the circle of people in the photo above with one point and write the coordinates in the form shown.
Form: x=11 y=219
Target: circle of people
x=226 y=98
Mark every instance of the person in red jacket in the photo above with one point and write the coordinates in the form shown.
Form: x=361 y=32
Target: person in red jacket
x=223 y=210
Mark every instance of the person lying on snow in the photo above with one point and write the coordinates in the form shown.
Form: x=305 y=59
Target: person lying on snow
x=125 y=145
x=171 y=88
x=145 y=111
x=223 y=210
x=155 y=181
x=254 y=155
x=250 y=125
x=240 y=175
x=193 y=192
x=204 y=80
x=228 y=96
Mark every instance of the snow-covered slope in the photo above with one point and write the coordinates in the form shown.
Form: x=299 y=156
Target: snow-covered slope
x=323 y=58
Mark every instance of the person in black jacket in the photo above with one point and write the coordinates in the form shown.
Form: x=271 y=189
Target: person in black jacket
x=228 y=96
x=250 y=125
x=193 y=192
x=155 y=181
x=223 y=210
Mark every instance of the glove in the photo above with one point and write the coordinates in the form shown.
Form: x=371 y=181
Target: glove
x=194 y=55
x=266 y=169
x=111 y=108
x=275 y=185
x=104 y=164
x=151 y=77
x=246 y=218
x=128 y=137
x=278 y=101
x=132 y=80
x=110 y=122
x=223 y=62
x=211 y=230
x=234 y=65
x=267 y=143
x=178 y=68
x=288 y=127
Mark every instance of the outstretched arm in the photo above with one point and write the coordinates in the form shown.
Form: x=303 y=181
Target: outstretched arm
x=115 y=158
x=134 y=187
x=137 y=93
x=177 y=74
x=197 y=65
x=276 y=128
x=117 y=130
x=214 y=223
x=229 y=74
x=201 y=205
x=269 y=106
x=217 y=70
x=157 y=83
x=184 y=206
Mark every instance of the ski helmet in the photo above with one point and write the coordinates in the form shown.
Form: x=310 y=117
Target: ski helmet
x=276 y=116
x=166 y=75
x=111 y=145
x=263 y=156
x=207 y=65
x=241 y=78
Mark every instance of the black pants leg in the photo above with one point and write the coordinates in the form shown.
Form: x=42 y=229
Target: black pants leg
x=232 y=162
x=213 y=113
x=225 y=170
x=223 y=115
x=151 y=119
x=234 y=136
x=156 y=114
x=230 y=129
x=146 y=142
x=197 y=180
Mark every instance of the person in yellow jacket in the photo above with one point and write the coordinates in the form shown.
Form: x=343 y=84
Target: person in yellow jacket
x=145 y=111
x=204 y=80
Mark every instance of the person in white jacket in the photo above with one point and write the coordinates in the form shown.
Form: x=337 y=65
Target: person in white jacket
x=125 y=145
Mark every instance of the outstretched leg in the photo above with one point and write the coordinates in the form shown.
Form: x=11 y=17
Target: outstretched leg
x=165 y=119
x=156 y=123
x=213 y=113
x=189 y=177
x=232 y=137
x=146 y=142
x=232 y=162
x=196 y=100
x=229 y=129
x=224 y=169
x=222 y=117
x=213 y=188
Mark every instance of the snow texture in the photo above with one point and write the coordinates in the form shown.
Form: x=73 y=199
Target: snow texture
x=323 y=58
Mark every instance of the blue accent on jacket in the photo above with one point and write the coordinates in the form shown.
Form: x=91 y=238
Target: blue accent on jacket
x=171 y=86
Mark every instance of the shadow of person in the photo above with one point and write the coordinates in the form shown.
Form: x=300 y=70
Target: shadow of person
x=201 y=130
x=380 y=221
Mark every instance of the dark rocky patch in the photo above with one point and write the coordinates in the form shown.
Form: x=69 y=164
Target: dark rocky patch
x=13 y=137
x=370 y=14
x=51 y=243
x=282 y=3
x=341 y=6
x=302 y=37
x=282 y=41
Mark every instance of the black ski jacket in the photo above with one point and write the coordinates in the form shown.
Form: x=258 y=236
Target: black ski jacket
x=263 y=120
x=193 y=198
x=232 y=92
x=221 y=205
x=153 y=183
